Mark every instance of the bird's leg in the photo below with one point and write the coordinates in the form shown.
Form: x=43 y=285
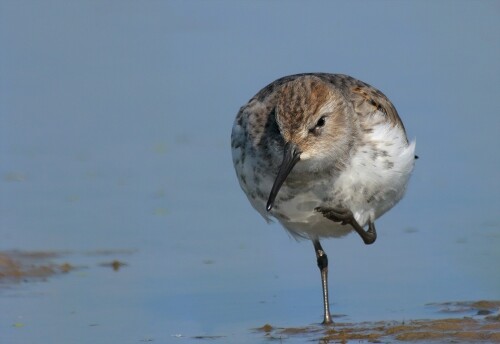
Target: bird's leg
x=345 y=216
x=323 y=268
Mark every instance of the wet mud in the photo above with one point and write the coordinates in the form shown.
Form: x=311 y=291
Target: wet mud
x=17 y=266
x=462 y=322
x=482 y=327
x=25 y=266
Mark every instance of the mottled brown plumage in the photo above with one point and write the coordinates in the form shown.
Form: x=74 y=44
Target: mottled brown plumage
x=324 y=154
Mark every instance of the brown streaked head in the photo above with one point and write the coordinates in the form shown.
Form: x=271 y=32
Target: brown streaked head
x=313 y=121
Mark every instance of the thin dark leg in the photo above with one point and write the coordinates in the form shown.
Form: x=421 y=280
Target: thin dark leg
x=323 y=268
x=345 y=217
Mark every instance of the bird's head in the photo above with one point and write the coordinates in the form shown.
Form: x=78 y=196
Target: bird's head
x=314 y=123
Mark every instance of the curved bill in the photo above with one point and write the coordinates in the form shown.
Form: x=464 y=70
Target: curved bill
x=291 y=155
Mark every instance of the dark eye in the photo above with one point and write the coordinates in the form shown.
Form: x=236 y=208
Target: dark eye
x=321 y=122
x=316 y=130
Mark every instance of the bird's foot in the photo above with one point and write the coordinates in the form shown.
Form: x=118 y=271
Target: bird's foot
x=370 y=234
x=342 y=215
x=327 y=321
x=345 y=216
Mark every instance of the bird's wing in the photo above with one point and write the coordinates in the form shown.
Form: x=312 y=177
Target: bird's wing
x=367 y=99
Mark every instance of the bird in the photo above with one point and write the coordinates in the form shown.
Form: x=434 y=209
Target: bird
x=324 y=155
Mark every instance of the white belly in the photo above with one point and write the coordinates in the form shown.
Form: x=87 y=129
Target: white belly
x=369 y=186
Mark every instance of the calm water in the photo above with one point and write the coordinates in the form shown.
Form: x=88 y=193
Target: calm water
x=116 y=119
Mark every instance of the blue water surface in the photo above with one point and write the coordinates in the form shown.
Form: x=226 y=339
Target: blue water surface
x=115 y=135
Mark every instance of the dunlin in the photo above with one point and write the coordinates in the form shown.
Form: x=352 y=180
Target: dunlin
x=324 y=154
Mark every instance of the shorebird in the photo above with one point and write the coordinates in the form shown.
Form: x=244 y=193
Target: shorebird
x=325 y=155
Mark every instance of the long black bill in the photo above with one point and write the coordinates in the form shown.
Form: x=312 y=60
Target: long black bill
x=291 y=155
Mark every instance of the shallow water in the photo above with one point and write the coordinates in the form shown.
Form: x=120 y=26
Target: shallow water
x=115 y=131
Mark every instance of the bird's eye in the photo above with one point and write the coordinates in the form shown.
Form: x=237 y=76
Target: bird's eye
x=316 y=130
x=321 y=122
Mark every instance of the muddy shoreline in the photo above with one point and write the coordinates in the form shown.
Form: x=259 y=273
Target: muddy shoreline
x=463 y=322
x=449 y=330
x=26 y=266
x=16 y=266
